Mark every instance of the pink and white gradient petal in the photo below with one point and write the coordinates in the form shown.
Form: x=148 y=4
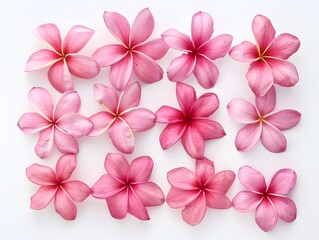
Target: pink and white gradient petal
x=186 y=97
x=202 y=28
x=106 y=187
x=60 y=77
x=135 y=207
x=273 y=139
x=77 y=190
x=284 y=119
x=242 y=111
x=205 y=105
x=246 y=201
x=181 y=67
x=106 y=96
x=69 y=102
x=244 y=52
x=266 y=215
x=194 y=212
x=118 y=204
x=76 y=39
x=193 y=143
x=41 y=59
x=109 y=54
x=49 y=34
x=283 y=46
x=41 y=175
x=32 y=122
x=265 y=104
x=177 y=40
x=177 y=198
x=64 y=205
x=140 y=170
x=45 y=143
x=65 y=167
x=82 y=66
x=263 y=31
x=248 y=136
x=149 y=194
x=41 y=100
x=117 y=166
x=65 y=142
x=251 y=179
x=166 y=114
x=205 y=72
x=283 y=181
x=142 y=27
x=43 y=197
x=171 y=134
x=217 y=47
x=101 y=122
x=155 y=49
x=182 y=178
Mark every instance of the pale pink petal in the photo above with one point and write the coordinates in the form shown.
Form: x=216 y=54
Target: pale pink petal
x=181 y=67
x=41 y=100
x=121 y=72
x=117 y=166
x=118 y=204
x=155 y=49
x=205 y=72
x=193 y=142
x=205 y=105
x=130 y=97
x=217 y=47
x=106 y=187
x=248 y=136
x=177 y=40
x=283 y=181
x=202 y=28
x=208 y=129
x=242 y=111
x=285 y=207
x=76 y=39
x=64 y=205
x=65 y=142
x=252 y=179
x=43 y=197
x=140 y=170
x=245 y=201
x=109 y=54
x=44 y=145
x=139 y=119
x=186 y=97
x=177 y=198
x=69 y=102
x=217 y=200
x=75 y=125
x=149 y=194
x=283 y=46
x=107 y=97
x=41 y=175
x=265 y=104
x=101 y=122
x=284 y=119
x=273 y=139
x=171 y=134
x=205 y=170
x=221 y=181
x=60 y=77
x=142 y=27
x=263 y=31
x=135 y=207
x=77 y=190
x=244 y=52
x=183 y=178
x=65 y=167
x=166 y=114
x=50 y=34
x=194 y=212
x=41 y=59
x=82 y=66
x=266 y=215
x=32 y=122
x=118 y=26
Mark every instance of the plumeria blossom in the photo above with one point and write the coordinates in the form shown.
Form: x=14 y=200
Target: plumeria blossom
x=121 y=116
x=269 y=202
x=126 y=188
x=200 y=51
x=133 y=54
x=62 y=57
x=59 y=124
x=191 y=124
x=262 y=122
x=197 y=191
x=56 y=185
x=268 y=57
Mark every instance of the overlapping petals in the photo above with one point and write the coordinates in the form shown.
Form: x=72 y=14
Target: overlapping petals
x=262 y=122
x=62 y=56
x=268 y=57
x=56 y=185
x=59 y=124
x=126 y=188
x=133 y=54
x=270 y=202
x=197 y=191
x=191 y=124
x=200 y=51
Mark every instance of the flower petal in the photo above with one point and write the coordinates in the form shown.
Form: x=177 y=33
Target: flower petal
x=32 y=122
x=205 y=105
x=118 y=204
x=65 y=167
x=106 y=187
x=117 y=166
x=263 y=31
x=75 y=125
x=139 y=119
x=64 y=205
x=221 y=181
x=60 y=77
x=177 y=40
x=82 y=66
x=202 y=28
x=252 y=179
x=43 y=197
x=77 y=190
x=140 y=169
x=149 y=194
x=283 y=46
x=273 y=139
x=217 y=47
x=194 y=212
x=107 y=97
x=181 y=68
x=177 y=198
x=245 y=201
x=266 y=103
x=208 y=129
x=101 y=122
x=166 y=114
x=142 y=27
x=183 y=178
x=41 y=100
x=69 y=102
x=186 y=97
x=130 y=97
x=41 y=59
x=155 y=49
x=283 y=181
x=193 y=143
x=171 y=134
x=50 y=34
x=76 y=39
x=65 y=142
x=44 y=145
x=284 y=119
x=109 y=54
x=217 y=200
x=122 y=136
x=205 y=72
x=41 y=175
x=135 y=207
x=248 y=136
x=285 y=207
x=266 y=215
x=244 y=52
x=242 y=111
x=205 y=170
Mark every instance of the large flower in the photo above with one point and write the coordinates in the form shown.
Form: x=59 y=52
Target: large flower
x=126 y=188
x=62 y=57
x=59 y=124
x=56 y=185
x=197 y=191
x=270 y=202
x=262 y=122
x=121 y=117
x=132 y=55
x=192 y=124
x=200 y=50
x=268 y=57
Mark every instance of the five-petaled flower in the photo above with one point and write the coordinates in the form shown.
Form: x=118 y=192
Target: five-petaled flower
x=133 y=54
x=262 y=122
x=121 y=117
x=56 y=185
x=199 y=190
x=192 y=124
x=200 y=50
x=270 y=202
x=62 y=57
x=59 y=124
x=268 y=57
x=126 y=188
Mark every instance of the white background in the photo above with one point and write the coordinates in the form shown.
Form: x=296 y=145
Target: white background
x=18 y=221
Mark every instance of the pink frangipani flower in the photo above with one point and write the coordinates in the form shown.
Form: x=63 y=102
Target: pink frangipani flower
x=268 y=57
x=132 y=54
x=121 y=116
x=199 y=190
x=269 y=202
x=200 y=50
x=126 y=188
x=56 y=185
x=62 y=56
x=261 y=122
x=191 y=124
x=59 y=124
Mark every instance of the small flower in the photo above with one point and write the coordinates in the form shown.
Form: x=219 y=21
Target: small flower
x=126 y=188
x=270 y=202
x=121 y=117
x=56 y=185
x=62 y=57
x=268 y=57
x=197 y=191
x=262 y=122
x=200 y=50
x=132 y=54
x=192 y=124
x=59 y=124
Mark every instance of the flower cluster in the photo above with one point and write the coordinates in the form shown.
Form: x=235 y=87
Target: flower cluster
x=126 y=186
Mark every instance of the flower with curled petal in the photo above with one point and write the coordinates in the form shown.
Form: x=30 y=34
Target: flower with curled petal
x=62 y=56
x=59 y=124
x=200 y=50
x=56 y=185
x=269 y=202
x=199 y=190
x=191 y=124
x=121 y=116
x=133 y=54
x=261 y=122
x=268 y=57
x=126 y=188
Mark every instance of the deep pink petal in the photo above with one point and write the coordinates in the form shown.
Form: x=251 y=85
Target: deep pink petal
x=101 y=122
x=285 y=207
x=41 y=59
x=64 y=205
x=193 y=142
x=242 y=111
x=60 y=77
x=263 y=31
x=82 y=66
x=76 y=39
x=171 y=134
x=139 y=119
x=266 y=103
x=41 y=175
x=65 y=142
x=50 y=34
x=43 y=197
x=245 y=201
x=106 y=187
x=205 y=105
x=149 y=194
x=117 y=166
x=44 y=145
x=248 y=136
x=166 y=114
x=244 y=52
x=69 y=102
x=65 y=167
x=202 y=28
x=266 y=215
x=118 y=204
x=217 y=200
x=221 y=181
x=142 y=27
x=107 y=97
x=155 y=49
x=135 y=207
x=283 y=181
x=41 y=100
x=273 y=139
x=205 y=72
x=177 y=198
x=194 y=212
x=208 y=129
x=75 y=125
x=77 y=190
x=284 y=119
x=140 y=170
x=181 y=68
x=32 y=122
x=217 y=47
x=205 y=170
x=252 y=179
x=283 y=46
x=183 y=178
x=186 y=97
x=177 y=40
x=109 y=54
x=121 y=72
x=130 y=97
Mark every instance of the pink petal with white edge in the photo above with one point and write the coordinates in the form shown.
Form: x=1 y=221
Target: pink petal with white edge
x=205 y=72
x=121 y=72
x=166 y=114
x=106 y=96
x=117 y=166
x=217 y=200
x=82 y=66
x=244 y=52
x=266 y=103
x=64 y=205
x=202 y=28
x=263 y=31
x=65 y=142
x=194 y=212
x=266 y=215
x=32 y=122
x=208 y=129
x=75 y=125
x=106 y=187
x=101 y=122
x=41 y=59
x=248 y=136
x=252 y=179
x=139 y=119
x=43 y=197
x=155 y=49
x=130 y=97
x=246 y=201
x=183 y=178
x=69 y=102
x=285 y=207
x=65 y=167
x=186 y=97
x=242 y=111
x=44 y=145
x=142 y=27
x=193 y=142
x=181 y=67
x=41 y=175
x=118 y=204
x=177 y=198
x=149 y=194
x=41 y=100
x=140 y=169
x=135 y=207
x=273 y=139
x=284 y=119
x=109 y=54
x=60 y=77
x=205 y=170
x=177 y=40
x=50 y=34
x=221 y=181
x=217 y=47
x=283 y=182
x=171 y=134
x=76 y=39
x=283 y=46
x=77 y=190
x=205 y=105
